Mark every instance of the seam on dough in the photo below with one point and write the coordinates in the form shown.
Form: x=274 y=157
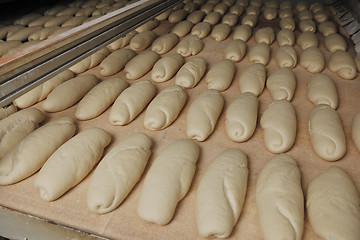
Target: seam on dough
x=284 y=214
x=229 y=196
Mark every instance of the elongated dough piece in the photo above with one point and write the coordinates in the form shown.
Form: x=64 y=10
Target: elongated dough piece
x=189 y=46
x=7 y=111
x=22 y=34
x=221 y=8
x=230 y=19
x=166 y=67
x=327 y=28
x=131 y=102
x=17 y=126
x=312 y=59
x=253 y=78
x=305 y=14
x=249 y=19
x=270 y=13
x=286 y=56
x=334 y=42
x=202 y=29
x=326 y=133
x=148 y=26
x=332 y=205
x=207 y=7
x=241 y=117
x=242 y=32
x=355 y=130
x=182 y=28
x=122 y=42
x=235 y=50
x=31 y=153
x=74 y=21
x=259 y=53
x=168 y=181
x=26 y=19
x=221 y=194
x=279 y=124
x=212 y=18
x=307 y=25
x=164 y=43
x=139 y=65
x=280 y=200
x=74 y=89
x=43 y=33
x=343 y=64
x=196 y=16
x=191 y=72
x=165 y=108
x=117 y=173
x=116 y=61
x=7 y=45
x=307 y=39
x=91 y=61
x=237 y=9
x=203 y=114
x=70 y=163
x=322 y=90
x=178 y=16
x=285 y=37
x=57 y=21
x=9 y=29
x=287 y=23
x=142 y=40
x=220 y=32
x=220 y=75
x=265 y=35
x=281 y=84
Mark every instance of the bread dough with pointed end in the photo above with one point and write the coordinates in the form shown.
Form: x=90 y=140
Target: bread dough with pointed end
x=139 y=65
x=307 y=25
x=74 y=89
x=131 y=102
x=355 y=130
x=212 y=18
x=68 y=11
x=220 y=75
x=182 y=28
x=165 y=108
x=220 y=32
x=307 y=39
x=177 y=16
x=242 y=32
x=202 y=29
x=7 y=111
x=326 y=133
x=70 y=163
x=164 y=15
x=166 y=67
x=343 y=64
x=241 y=117
x=22 y=34
x=332 y=205
x=270 y=13
x=287 y=23
x=260 y=53
x=57 y=21
x=142 y=40
x=312 y=59
x=189 y=46
x=196 y=16
x=41 y=92
x=230 y=19
x=281 y=84
x=279 y=124
x=9 y=29
x=122 y=42
x=249 y=19
x=168 y=181
x=285 y=37
x=203 y=115
x=42 y=34
x=253 y=78
x=116 y=61
x=322 y=90
x=148 y=26
x=286 y=56
x=221 y=194
x=235 y=50
x=31 y=153
x=191 y=72
x=17 y=126
x=327 y=28
x=280 y=200
x=164 y=43
x=74 y=21
x=91 y=61
x=25 y=20
x=7 y=45
x=117 y=173
x=265 y=35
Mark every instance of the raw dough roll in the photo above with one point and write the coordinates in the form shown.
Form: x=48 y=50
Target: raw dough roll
x=122 y=42
x=327 y=28
x=131 y=102
x=166 y=67
x=259 y=53
x=221 y=8
x=287 y=4
x=343 y=64
x=91 y=61
x=191 y=6
x=334 y=42
x=31 y=153
x=177 y=16
x=307 y=25
x=281 y=84
x=265 y=35
x=117 y=173
x=25 y=20
x=250 y=20
x=164 y=43
x=253 y=78
x=164 y=15
x=221 y=194
x=326 y=133
x=307 y=39
x=321 y=16
x=220 y=32
x=252 y=10
x=241 y=117
x=168 y=181
x=201 y=29
x=70 y=163
x=279 y=124
x=7 y=111
x=189 y=46
x=312 y=59
x=9 y=29
x=196 y=16
x=42 y=34
x=221 y=75
x=300 y=6
x=165 y=108
x=41 y=92
x=280 y=200
x=207 y=7
x=74 y=89
x=316 y=6
x=242 y=32
x=355 y=130
x=7 y=45
x=74 y=21
x=357 y=62
x=332 y=205
x=286 y=56
x=287 y=23
x=285 y=37
x=17 y=126
x=270 y=13
x=148 y=26
x=22 y=34
x=230 y=19
x=182 y=28
x=68 y=11
x=203 y=114
x=142 y=40
x=235 y=50
x=57 y=21
x=305 y=15
x=322 y=90
x=139 y=65
x=237 y=9
x=116 y=61
x=212 y=18
x=191 y=72
x=285 y=13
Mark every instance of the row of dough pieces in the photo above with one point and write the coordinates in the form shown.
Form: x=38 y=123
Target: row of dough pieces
x=218 y=205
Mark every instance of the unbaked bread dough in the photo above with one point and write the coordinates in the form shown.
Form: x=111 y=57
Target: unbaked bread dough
x=343 y=64
x=322 y=90
x=191 y=6
x=148 y=26
x=307 y=39
x=57 y=21
x=164 y=15
x=26 y=19
x=326 y=28
x=259 y=53
x=92 y=61
x=242 y=32
x=287 y=23
x=285 y=37
x=271 y=4
x=221 y=194
x=166 y=67
x=22 y=34
x=220 y=75
x=74 y=21
x=326 y=133
x=7 y=45
x=165 y=108
x=265 y=35
x=321 y=16
x=220 y=32
x=241 y=117
x=252 y=79
x=196 y=16
x=306 y=14
x=139 y=65
x=189 y=46
x=122 y=42
x=300 y=6
x=168 y=181
x=357 y=62
x=142 y=40
x=355 y=130
x=9 y=29
x=270 y=13
x=207 y=7
x=212 y=18
x=252 y=10
x=182 y=28
x=280 y=200
x=316 y=6
x=312 y=59
x=117 y=173
x=221 y=8
x=287 y=4
x=42 y=34
x=201 y=29
x=191 y=72
x=285 y=13
x=70 y=163
x=249 y=19
x=131 y=102
x=116 y=61
x=230 y=19
x=286 y=56
x=177 y=16
x=164 y=43
x=203 y=114
x=68 y=11
x=235 y=50
x=334 y=42
x=7 y=111
x=307 y=25
x=281 y=84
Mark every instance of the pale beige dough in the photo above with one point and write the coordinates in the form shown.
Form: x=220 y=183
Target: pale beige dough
x=74 y=21
x=164 y=43
x=182 y=28
x=191 y=6
x=256 y=3
x=270 y=13
x=177 y=16
x=221 y=8
x=286 y=5
x=7 y=45
x=23 y=34
x=201 y=29
x=250 y=20
x=343 y=64
x=92 y=61
x=322 y=90
x=306 y=14
x=131 y=102
x=212 y=18
x=190 y=46
x=54 y=10
x=287 y=23
x=285 y=13
x=220 y=32
x=166 y=67
x=116 y=61
x=59 y=30
x=235 y=50
x=281 y=84
x=117 y=173
x=357 y=62
x=312 y=59
x=207 y=7
x=40 y=21
x=265 y=35
x=68 y=11
x=355 y=130
x=9 y=29
x=7 y=111
x=286 y=56
x=85 y=11
x=241 y=117
x=326 y=28
x=71 y=162
x=43 y=33
x=139 y=65
x=196 y=16
x=252 y=10
x=252 y=79
x=332 y=205
x=307 y=39
x=57 y=21
x=221 y=194
x=148 y=26
x=300 y=6
x=26 y=19
x=242 y=32
x=22 y=46
x=321 y=16
x=334 y=42
x=142 y=40
x=164 y=16
x=221 y=75
x=122 y=42
x=168 y=181
x=259 y=53
x=280 y=200
x=307 y=25
x=316 y=6
x=285 y=37
x=326 y=133
x=271 y=4
x=191 y=72
x=230 y=19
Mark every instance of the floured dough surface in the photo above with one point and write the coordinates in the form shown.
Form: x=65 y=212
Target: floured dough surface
x=166 y=67
x=7 y=111
x=182 y=28
x=191 y=72
x=220 y=75
x=122 y=42
x=287 y=23
x=281 y=84
x=252 y=79
x=202 y=29
x=213 y=18
x=322 y=90
x=334 y=42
